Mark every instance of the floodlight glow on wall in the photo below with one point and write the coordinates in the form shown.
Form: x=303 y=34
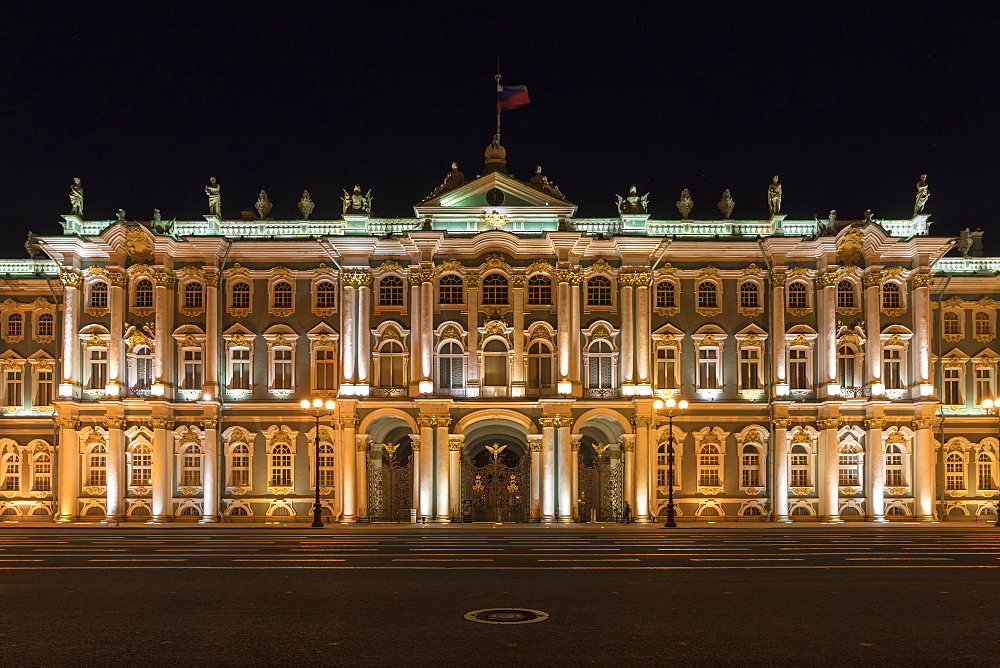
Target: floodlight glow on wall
x=425 y=386
x=878 y=389
x=564 y=387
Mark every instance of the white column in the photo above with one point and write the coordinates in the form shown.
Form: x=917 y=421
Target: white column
x=210 y=370
x=873 y=326
x=627 y=337
x=642 y=332
x=875 y=469
x=348 y=485
x=472 y=328
x=921 y=332
x=425 y=511
x=628 y=445
x=564 y=325
x=828 y=480
x=210 y=472
x=548 y=472
x=68 y=460
x=361 y=475
x=517 y=379
x=416 y=326
x=164 y=353
x=535 y=448
x=163 y=484
x=576 y=358
x=923 y=467
x=116 y=370
x=779 y=356
x=415 y=483
x=565 y=483
x=116 y=473
x=364 y=335
x=349 y=325
x=427 y=332
x=642 y=450
x=455 y=476
x=826 y=295
x=71 y=328
x=575 y=479
x=779 y=501
x=443 y=511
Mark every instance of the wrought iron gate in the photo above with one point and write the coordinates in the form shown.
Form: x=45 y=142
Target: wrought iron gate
x=390 y=485
x=601 y=487
x=497 y=491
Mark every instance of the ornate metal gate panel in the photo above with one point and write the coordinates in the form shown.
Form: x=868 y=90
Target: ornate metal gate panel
x=601 y=488
x=390 y=484
x=497 y=491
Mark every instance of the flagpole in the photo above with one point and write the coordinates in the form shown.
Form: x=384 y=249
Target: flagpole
x=497 y=77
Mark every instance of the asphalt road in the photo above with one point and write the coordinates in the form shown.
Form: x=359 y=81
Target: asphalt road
x=397 y=596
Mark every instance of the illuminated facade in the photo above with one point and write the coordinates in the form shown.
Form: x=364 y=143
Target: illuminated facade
x=497 y=358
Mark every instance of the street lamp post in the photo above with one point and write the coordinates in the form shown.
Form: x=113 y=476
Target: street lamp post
x=993 y=406
x=671 y=406
x=317 y=408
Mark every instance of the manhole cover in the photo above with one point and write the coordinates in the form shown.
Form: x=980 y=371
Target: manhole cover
x=506 y=616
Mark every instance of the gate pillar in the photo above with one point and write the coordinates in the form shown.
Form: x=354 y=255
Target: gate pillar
x=443 y=511
x=455 y=443
x=575 y=502
x=535 y=448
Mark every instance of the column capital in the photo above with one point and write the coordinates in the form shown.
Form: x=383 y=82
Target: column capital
x=576 y=443
x=117 y=279
x=921 y=279
x=209 y=423
x=348 y=422
x=875 y=423
x=114 y=423
x=556 y=421
x=422 y=275
x=455 y=444
x=643 y=421
x=164 y=280
x=827 y=280
x=162 y=423
x=361 y=443
x=926 y=423
x=829 y=423
x=782 y=423
x=778 y=278
x=68 y=423
x=873 y=278
x=70 y=279
x=535 y=446
x=356 y=279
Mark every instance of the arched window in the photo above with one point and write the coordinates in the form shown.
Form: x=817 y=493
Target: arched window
x=98 y=294
x=708 y=295
x=798 y=469
x=849 y=461
x=847 y=367
x=451 y=367
x=539 y=366
x=239 y=466
x=390 y=365
x=11 y=467
x=495 y=290
x=797 y=295
x=141 y=359
x=845 y=295
x=144 y=294
x=749 y=295
x=981 y=325
x=495 y=363
x=194 y=295
x=326 y=295
x=450 y=289
x=752 y=511
x=891 y=296
x=600 y=366
x=282 y=295
x=45 y=325
x=240 y=295
x=954 y=477
x=97 y=466
x=709 y=466
x=390 y=291
x=750 y=466
x=42 y=473
x=238 y=511
x=141 y=466
x=666 y=295
x=952 y=323
x=539 y=290
x=191 y=466
x=895 y=511
x=894 y=466
x=281 y=466
x=986 y=477
x=15 y=325
x=326 y=472
x=599 y=291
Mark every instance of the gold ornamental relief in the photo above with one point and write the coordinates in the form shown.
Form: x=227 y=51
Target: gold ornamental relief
x=70 y=279
x=921 y=280
x=600 y=267
x=540 y=266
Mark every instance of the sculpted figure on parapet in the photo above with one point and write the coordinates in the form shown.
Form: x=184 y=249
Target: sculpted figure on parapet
x=76 y=198
x=923 y=194
x=453 y=180
x=774 y=196
x=355 y=202
x=633 y=202
x=214 y=192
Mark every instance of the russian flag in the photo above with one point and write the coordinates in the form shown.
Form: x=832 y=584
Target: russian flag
x=511 y=97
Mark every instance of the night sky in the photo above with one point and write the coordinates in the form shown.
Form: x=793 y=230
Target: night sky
x=848 y=106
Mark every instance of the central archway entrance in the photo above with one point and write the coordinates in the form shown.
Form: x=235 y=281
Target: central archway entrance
x=496 y=483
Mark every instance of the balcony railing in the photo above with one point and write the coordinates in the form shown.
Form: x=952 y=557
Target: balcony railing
x=393 y=392
x=602 y=392
x=855 y=392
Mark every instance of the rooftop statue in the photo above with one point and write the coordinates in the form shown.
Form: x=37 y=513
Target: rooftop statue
x=121 y=215
x=685 y=204
x=964 y=244
x=726 y=204
x=774 y=196
x=867 y=216
x=214 y=192
x=923 y=194
x=158 y=226
x=453 y=180
x=306 y=205
x=76 y=198
x=263 y=205
x=495 y=152
x=537 y=179
x=828 y=226
x=633 y=202
x=35 y=250
x=355 y=202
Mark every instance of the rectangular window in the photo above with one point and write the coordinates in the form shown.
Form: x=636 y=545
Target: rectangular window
x=97 y=475
x=799 y=470
x=985 y=478
x=239 y=378
x=98 y=369
x=708 y=368
x=326 y=369
x=43 y=474
x=750 y=369
x=666 y=368
x=954 y=475
x=282 y=368
x=798 y=369
x=281 y=470
x=326 y=473
x=848 y=476
x=953 y=387
x=892 y=374
x=192 y=370
x=13 y=381
x=894 y=469
x=984 y=384
x=666 y=295
x=191 y=473
x=142 y=468
x=709 y=477
x=450 y=290
x=239 y=473
x=44 y=388
x=749 y=296
x=12 y=473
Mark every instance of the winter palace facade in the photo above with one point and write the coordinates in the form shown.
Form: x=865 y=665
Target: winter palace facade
x=496 y=358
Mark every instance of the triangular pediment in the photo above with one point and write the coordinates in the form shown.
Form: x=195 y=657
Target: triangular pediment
x=473 y=194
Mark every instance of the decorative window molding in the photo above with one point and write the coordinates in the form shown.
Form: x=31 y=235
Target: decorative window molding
x=392 y=293
x=801 y=461
x=710 y=446
x=750 y=343
x=798 y=298
x=281 y=292
x=667 y=359
x=495 y=289
x=12 y=382
x=953 y=322
x=324 y=346
x=893 y=300
x=451 y=290
x=984 y=316
x=751 y=304
x=239 y=361
x=539 y=289
x=708 y=292
x=662 y=459
x=95 y=341
x=895 y=341
x=985 y=375
x=239 y=291
x=848 y=303
x=192 y=297
x=142 y=301
x=280 y=360
x=280 y=447
x=599 y=293
x=191 y=359
x=451 y=360
x=601 y=360
x=239 y=449
x=708 y=342
x=752 y=444
x=391 y=359
x=42 y=382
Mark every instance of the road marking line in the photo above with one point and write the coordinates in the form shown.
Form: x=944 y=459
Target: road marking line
x=199 y=549
x=230 y=567
x=334 y=549
x=9 y=560
x=562 y=560
x=287 y=560
x=592 y=549
x=446 y=560
x=898 y=559
x=454 y=549
x=133 y=560
x=80 y=549
x=761 y=559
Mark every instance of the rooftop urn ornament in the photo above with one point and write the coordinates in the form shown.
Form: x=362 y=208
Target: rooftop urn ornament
x=263 y=205
x=726 y=204
x=306 y=205
x=633 y=202
x=685 y=204
x=774 y=196
x=356 y=202
x=76 y=198
x=214 y=192
x=923 y=194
